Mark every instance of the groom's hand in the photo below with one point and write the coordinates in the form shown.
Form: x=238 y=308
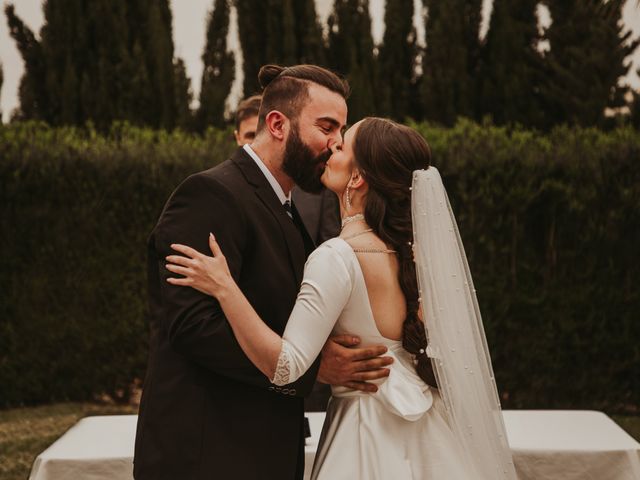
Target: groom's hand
x=342 y=364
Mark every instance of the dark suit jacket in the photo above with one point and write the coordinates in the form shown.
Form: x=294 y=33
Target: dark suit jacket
x=320 y=213
x=206 y=411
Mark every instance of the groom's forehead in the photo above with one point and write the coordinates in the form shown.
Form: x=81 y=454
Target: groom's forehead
x=326 y=105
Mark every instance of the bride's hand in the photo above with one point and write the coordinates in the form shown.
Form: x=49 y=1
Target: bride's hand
x=206 y=274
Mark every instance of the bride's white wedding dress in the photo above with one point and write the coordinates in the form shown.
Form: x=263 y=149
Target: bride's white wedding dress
x=399 y=432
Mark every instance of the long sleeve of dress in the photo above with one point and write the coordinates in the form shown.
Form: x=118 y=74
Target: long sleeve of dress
x=324 y=293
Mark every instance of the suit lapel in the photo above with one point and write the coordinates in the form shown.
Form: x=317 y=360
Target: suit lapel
x=264 y=191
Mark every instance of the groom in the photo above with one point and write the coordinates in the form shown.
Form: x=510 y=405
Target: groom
x=206 y=411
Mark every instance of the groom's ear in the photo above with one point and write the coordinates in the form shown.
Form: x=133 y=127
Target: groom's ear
x=276 y=124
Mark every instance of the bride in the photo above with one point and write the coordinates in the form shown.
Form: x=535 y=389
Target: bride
x=365 y=282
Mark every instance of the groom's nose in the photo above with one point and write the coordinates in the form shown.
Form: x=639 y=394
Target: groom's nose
x=334 y=142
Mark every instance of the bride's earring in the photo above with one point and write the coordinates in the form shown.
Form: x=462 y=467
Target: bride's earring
x=348 y=200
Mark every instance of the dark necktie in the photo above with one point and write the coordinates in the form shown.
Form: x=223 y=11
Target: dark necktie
x=309 y=246
x=287 y=207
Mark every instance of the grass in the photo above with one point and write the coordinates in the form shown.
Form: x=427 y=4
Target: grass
x=25 y=432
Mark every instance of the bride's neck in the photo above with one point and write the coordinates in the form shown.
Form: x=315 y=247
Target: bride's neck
x=352 y=215
x=353 y=223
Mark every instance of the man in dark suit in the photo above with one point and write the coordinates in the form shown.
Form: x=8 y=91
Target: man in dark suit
x=206 y=411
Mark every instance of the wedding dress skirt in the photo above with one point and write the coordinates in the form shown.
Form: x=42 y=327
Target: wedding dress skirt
x=388 y=435
x=399 y=432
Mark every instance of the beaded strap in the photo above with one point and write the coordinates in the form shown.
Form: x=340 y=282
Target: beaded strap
x=372 y=250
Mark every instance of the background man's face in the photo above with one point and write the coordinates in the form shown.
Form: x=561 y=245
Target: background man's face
x=246 y=130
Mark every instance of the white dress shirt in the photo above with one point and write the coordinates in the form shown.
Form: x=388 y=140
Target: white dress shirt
x=268 y=175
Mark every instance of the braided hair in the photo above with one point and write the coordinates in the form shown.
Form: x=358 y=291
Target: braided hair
x=387 y=153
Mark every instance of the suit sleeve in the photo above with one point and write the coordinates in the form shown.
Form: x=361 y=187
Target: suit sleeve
x=194 y=322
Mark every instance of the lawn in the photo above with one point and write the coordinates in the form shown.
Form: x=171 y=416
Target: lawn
x=25 y=432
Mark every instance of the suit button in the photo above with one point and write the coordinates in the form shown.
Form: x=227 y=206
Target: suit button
x=271 y=388
x=292 y=391
x=285 y=391
x=278 y=389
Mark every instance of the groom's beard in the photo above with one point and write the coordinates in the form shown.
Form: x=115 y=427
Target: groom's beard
x=301 y=165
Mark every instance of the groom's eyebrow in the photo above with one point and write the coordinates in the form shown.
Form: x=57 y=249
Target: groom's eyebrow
x=335 y=123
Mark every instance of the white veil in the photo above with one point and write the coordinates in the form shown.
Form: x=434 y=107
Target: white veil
x=457 y=343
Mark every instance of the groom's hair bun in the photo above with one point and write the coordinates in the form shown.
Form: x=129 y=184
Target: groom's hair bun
x=268 y=73
x=286 y=89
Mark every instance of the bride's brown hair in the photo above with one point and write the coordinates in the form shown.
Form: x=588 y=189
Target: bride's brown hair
x=387 y=153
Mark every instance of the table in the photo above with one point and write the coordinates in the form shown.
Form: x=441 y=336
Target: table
x=570 y=445
x=95 y=448
x=546 y=445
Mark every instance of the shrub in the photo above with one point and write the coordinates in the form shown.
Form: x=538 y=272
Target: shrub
x=550 y=225
x=76 y=209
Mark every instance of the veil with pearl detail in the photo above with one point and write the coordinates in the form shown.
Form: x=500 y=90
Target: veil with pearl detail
x=457 y=344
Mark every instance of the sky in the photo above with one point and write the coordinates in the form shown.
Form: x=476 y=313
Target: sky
x=189 y=23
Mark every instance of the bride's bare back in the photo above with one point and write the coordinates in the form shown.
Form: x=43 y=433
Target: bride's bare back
x=380 y=271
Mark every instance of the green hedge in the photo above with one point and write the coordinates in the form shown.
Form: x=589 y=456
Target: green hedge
x=550 y=223
x=76 y=211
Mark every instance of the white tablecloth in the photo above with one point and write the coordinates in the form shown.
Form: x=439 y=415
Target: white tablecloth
x=546 y=445
x=95 y=448
x=570 y=445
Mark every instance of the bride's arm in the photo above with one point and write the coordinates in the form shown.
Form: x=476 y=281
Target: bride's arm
x=324 y=292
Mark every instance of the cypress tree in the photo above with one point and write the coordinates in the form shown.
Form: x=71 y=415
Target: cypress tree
x=511 y=65
x=280 y=38
x=267 y=35
x=150 y=25
x=1 y=82
x=634 y=108
x=184 y=96
x=277 y=31
x=308 y=33
x=218 y=72
x=252 y=15
x=351 y=53
x=397 y=59
x=102 y=60
x=448 y=87
x=588 y=51
x=82 y=79
x=140 y=97
x=34 y=101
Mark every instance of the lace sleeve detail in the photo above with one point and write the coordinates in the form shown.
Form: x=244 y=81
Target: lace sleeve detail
x=283 y=367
